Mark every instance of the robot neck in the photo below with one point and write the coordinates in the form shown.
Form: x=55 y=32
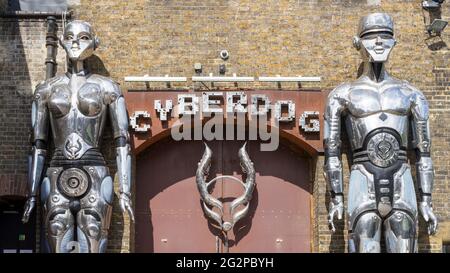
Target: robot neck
x=77 y=67
x=375 y=71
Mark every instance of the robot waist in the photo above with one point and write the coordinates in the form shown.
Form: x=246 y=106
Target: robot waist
x=382 y=147
x=363 y=156
x=91 y=157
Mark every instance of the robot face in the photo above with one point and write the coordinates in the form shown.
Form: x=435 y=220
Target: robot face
x=78 y=40
x=377 y=46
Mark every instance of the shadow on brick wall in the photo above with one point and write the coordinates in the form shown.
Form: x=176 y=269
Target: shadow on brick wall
x=96 y=66
x=116 y=229
x=15 y=94
x=435 y=43
x=423 y=237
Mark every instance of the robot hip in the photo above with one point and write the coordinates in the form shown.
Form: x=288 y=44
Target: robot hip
x=370 y=191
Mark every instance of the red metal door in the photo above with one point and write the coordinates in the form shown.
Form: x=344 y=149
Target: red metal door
x=169 y=215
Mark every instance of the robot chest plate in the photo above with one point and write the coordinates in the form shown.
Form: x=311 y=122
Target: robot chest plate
x=367 y=101
x=87 y=100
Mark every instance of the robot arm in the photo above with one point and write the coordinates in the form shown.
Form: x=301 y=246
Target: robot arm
x=332 y=144
x=39 y=137
x=119 y=121
x=424 y=164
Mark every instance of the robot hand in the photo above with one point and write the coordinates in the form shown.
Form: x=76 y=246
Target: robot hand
x=336 y=207
x=29 y=206
x=426 y=209
x=125 y=205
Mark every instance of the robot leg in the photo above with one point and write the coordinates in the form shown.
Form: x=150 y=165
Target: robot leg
x=58 y=221
x=94 y=217
x=366 y=233
x=59 y=225
x=400 y=233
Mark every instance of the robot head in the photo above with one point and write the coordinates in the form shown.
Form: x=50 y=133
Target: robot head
x=375 y=38
x=79 y=40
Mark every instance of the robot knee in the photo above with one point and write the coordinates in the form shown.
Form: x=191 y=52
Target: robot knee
x=91 y=223
x=366 y=233
x=59 y=222
x=368 y=223
x=401 y=224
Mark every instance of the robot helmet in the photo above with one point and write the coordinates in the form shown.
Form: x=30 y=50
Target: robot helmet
x=375 y=37
x=376 y=22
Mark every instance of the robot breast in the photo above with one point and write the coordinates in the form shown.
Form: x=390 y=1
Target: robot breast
x=367 y=101
x=59 y=102
x=395 y=100
x=363 y=102
x=90 y=102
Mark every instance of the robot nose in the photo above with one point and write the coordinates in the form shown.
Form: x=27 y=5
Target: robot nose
x=379 y=41
x=75 y=44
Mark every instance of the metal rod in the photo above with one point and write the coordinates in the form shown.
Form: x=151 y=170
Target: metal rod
x=232 y=178
x=154 y=79
x=289 y=79
x=33 y=14
x=227 y=248
x=212 y=78
x=217 y=244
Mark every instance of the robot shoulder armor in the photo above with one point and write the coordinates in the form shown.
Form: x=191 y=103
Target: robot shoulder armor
x=416 y=95
x=110 y=88
x=43 y=89
x=340 y=93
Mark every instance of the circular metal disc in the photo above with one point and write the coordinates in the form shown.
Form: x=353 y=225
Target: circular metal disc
x=383 y=149
x=74 y=182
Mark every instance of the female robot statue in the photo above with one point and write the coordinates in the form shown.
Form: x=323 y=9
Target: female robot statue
x=77 y=191
x=378 y=110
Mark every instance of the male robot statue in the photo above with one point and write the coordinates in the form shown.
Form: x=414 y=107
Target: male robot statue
x=77 y=190
x=377 y=110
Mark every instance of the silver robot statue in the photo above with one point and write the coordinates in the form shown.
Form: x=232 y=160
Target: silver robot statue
x=77 y=190
x=378 y=111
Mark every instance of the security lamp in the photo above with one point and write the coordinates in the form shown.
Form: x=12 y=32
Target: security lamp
x=437 y=26
x=198 y=68
x=434 y=8
x=432 y=4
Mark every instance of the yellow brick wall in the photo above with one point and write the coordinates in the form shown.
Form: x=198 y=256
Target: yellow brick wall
x=310 y=38
x=264 y=38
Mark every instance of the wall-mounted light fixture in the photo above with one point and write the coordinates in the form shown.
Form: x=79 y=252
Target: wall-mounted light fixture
x=198 y=68
x=432 y=4
x=437 y=24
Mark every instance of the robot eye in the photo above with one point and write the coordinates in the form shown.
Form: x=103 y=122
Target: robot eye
x=84 y=37
x=69 y=37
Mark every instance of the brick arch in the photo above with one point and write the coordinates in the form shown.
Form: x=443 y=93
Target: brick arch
x=13 y=185
x=300 y=143
x=305 y=100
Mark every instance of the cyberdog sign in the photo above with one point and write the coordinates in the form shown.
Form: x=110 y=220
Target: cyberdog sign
x=231 y=115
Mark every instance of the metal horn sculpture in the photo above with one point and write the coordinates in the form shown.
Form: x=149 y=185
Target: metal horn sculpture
x=209 y=202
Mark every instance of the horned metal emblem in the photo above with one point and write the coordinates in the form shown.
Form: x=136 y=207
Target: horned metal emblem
x=210 y=202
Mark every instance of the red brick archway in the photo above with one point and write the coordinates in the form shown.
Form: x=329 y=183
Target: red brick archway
x=169 y=217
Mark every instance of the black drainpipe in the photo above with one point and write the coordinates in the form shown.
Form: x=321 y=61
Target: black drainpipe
x=51 y=43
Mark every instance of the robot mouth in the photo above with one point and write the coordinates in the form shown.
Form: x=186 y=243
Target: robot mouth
x=379 y=50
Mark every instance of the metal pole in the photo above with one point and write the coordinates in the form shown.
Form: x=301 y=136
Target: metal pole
x=51 y=43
